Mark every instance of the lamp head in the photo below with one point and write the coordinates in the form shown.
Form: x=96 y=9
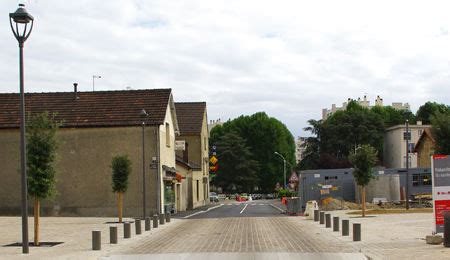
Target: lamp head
x=23 y=18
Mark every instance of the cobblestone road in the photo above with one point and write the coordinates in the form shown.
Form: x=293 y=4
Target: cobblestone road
x=250 y=234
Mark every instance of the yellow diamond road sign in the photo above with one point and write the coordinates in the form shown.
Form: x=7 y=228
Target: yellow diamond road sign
x=213 y=160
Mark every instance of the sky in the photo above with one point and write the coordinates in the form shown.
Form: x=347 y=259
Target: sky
x=290 y=59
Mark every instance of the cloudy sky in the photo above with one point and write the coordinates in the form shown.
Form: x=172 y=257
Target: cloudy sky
x=288 y=58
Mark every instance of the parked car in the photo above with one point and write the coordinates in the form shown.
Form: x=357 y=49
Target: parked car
x=213 y=197
x=270 y=196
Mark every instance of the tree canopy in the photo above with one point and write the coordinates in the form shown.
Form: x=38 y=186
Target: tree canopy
x=121 y=169
x=41 y=153
x=363 y=160
x=429 y=109
x=441 y=132
x=263 y=135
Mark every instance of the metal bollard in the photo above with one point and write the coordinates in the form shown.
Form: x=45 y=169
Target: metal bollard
x=328 y=220
x=126 y=230
x=356 y=232
x=147 y=224
x=345 y=227
x=155 y=221
x=96 y=240
x=316 y=215
x=167 y=217
x=113 y=235
x=446 y=215
x=161 y=219
x=322 y=217
x=138 y=226
x=335 y=223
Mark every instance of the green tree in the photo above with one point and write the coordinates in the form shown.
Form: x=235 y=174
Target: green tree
x=429 y=109
x=311 y=154
x=41 y=153
x=392 y=116
x=441 y=132
x=121 y=169
x=363 y=160
x=264 y=136
x=238 y=171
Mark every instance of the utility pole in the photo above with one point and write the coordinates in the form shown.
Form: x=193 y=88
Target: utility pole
x=407 y=138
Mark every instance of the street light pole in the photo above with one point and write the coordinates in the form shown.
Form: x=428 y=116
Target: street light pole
x=22 y=17
x=284 y=169
x=407 y=164
x=144 y=116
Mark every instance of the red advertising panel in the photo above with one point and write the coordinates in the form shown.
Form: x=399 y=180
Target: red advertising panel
x=441 y=189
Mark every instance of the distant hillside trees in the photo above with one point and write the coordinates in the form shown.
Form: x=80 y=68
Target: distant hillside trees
x=263 y=136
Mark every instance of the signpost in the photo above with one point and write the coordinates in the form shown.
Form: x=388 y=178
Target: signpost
x=440 y=165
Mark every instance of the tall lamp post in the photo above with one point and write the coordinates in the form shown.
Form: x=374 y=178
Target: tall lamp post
x=407 y=138
x=284 y=169
x=21 y=18
x=93 y=81
x=144 y=117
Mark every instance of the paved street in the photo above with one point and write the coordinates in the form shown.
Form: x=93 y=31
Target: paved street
x=243 y=228
x=259 y=208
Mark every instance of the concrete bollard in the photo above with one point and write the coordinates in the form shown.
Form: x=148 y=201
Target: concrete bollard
x=126 y=230
x=316 y=215
x=161 y=219
x=167 y=217
x=336 y=224
x=446 y=215
x=147 y=224
x=96 y=240
x=322 y=218
x=345 y=227
x=356 y=232
x=155 y=221
x=138 y=226
x=328 y=220
x=113 y=235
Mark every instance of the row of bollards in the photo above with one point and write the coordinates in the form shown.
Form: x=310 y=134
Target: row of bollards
x=113 y=233
x=325 y=218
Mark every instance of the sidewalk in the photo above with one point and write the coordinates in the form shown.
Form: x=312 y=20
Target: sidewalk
x=74 y=232
x=389 y=236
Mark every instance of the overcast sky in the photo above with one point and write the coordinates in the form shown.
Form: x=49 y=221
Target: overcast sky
x=287 y=58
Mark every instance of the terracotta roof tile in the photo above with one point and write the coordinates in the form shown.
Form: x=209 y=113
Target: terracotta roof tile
x=92 y=109
x=190 y=116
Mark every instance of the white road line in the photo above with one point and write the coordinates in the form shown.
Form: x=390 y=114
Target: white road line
x=262 y=204
x=276 y=207
x=243 y=209
x=203 y=211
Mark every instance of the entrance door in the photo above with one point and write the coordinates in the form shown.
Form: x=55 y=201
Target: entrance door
x=178 y=187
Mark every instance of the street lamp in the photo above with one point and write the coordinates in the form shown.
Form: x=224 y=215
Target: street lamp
x=407 y=138
x=284 y=168
x=93 y=81
x=144 y=117
x=21 y=18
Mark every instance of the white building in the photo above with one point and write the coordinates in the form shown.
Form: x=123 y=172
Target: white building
x=394 y=155
x=299 y=149
x=364 y=103
x=213 y=123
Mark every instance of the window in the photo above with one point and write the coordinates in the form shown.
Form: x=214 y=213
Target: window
x=186 y=152
x=420 y=132
x=330 y=177
x=426 y=180
x=167 y=135
x=416 y=180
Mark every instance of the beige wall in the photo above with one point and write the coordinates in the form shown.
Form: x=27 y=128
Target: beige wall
x=425 y=151
x=83 y=171
x=395 y=147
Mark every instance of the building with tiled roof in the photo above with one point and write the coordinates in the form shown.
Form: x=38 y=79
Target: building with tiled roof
x=193 y=125
x=96 y=126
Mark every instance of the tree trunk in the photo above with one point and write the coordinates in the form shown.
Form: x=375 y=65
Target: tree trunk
x=120 y=205
x=36 y=221
x=363 y=200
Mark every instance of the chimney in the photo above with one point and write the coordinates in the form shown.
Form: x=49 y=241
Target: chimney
x=75 y=85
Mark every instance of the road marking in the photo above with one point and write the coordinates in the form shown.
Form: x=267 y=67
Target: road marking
x=243 y=209
x=276 y=207
x=204 y=211
x=262 y=204
x=229 y=204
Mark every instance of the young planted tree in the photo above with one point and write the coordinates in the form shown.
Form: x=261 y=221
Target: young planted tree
x=41 y=152
x=363 y=160
x=121 y=169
